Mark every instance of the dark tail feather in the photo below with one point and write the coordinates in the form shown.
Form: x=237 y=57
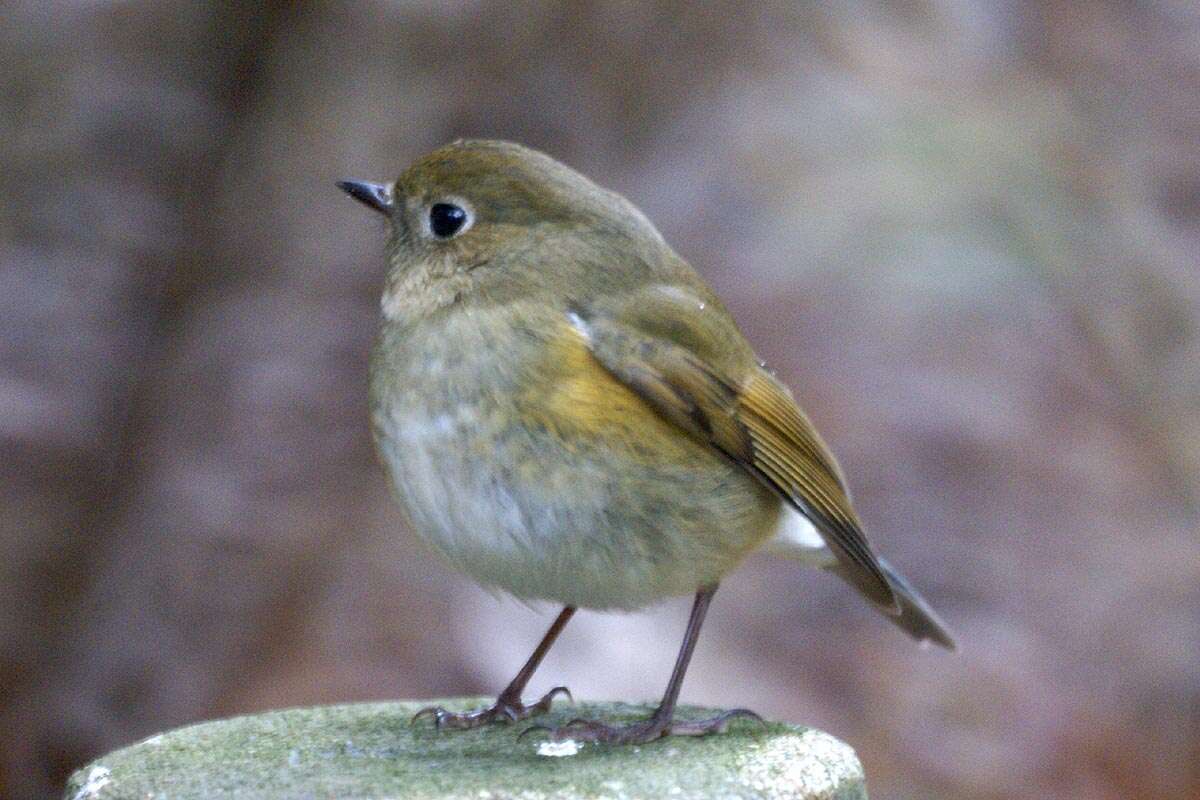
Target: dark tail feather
x=916 y=618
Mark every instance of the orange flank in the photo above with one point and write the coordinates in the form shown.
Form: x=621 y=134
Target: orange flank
x=586 y=403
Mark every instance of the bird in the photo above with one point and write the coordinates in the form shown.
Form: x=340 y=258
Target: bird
x=568 y=413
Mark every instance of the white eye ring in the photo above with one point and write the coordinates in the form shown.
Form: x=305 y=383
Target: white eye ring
x=447 y=218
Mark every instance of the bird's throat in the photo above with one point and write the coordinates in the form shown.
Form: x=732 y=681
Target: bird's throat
x=423 y=289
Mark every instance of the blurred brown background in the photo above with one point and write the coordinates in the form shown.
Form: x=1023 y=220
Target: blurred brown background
x=965 y=232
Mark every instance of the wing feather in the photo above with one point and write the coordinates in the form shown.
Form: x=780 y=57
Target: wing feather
x=753 y=419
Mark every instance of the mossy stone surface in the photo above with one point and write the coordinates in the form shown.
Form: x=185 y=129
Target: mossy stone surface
x=370 y=751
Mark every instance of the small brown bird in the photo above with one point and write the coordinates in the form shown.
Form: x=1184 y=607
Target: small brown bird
x=568 y=413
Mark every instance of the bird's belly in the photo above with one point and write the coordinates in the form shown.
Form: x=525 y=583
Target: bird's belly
x=588 y=523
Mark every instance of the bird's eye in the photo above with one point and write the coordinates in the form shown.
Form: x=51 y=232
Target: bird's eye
x=446 y=219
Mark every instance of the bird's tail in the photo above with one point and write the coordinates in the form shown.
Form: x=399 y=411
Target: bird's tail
x=916 y=618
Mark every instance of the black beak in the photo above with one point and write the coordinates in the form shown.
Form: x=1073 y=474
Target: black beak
x=371 y=194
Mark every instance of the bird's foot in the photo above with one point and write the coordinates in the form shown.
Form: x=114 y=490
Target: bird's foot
x=505 y=709
x=586 y=730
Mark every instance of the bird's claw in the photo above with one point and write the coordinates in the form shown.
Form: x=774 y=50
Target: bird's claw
x=504 y=710
x=543 y=705
x=534 y=729
x=717 y=724
x=585 y=730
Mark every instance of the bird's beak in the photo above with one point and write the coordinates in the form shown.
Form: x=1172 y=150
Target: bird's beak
x=375 y=195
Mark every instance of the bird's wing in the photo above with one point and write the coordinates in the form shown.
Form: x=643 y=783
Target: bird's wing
x=743 y=412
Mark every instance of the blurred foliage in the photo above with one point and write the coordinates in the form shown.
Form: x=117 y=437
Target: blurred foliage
x=965 y=232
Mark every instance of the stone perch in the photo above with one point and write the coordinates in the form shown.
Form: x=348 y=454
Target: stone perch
x=369 y=752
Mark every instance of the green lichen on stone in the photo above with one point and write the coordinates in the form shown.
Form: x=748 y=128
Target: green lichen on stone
x=370 y=751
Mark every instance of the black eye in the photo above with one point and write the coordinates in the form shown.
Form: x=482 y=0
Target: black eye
x=446 y=219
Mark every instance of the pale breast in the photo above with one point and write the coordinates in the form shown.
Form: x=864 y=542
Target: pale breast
x=528 y=467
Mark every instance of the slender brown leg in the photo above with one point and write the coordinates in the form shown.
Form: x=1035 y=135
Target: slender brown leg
x=508 y=706
x=662 y=721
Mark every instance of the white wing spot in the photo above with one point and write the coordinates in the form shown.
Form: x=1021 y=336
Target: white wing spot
x=578 y=323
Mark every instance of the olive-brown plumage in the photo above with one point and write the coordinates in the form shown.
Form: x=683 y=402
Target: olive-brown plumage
x=567 y=412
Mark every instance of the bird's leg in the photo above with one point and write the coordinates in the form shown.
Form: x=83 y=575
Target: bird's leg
x=508 y=706
x=662 y=721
